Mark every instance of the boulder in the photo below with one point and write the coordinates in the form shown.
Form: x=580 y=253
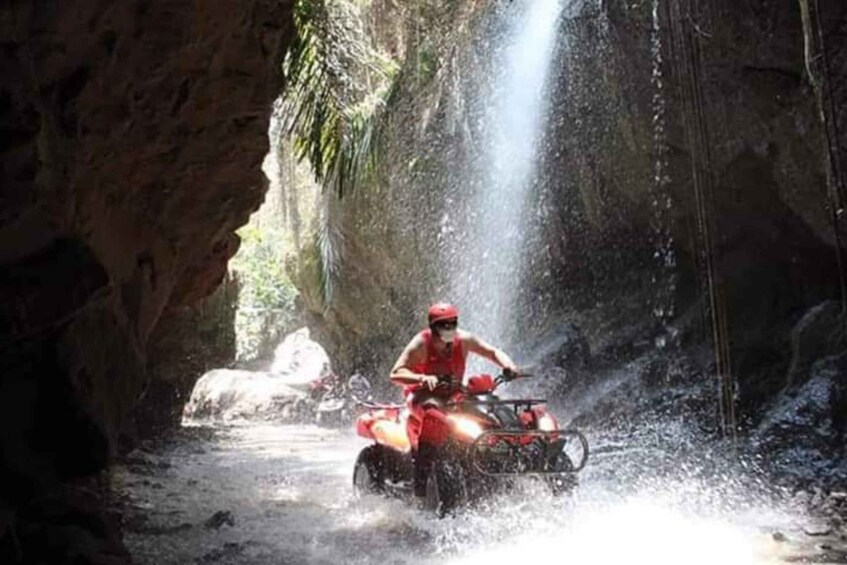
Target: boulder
x=566 y=346
x=802 y=435
x=561 y=362
x=820 y=332
x=230 y=395
x=299 y=360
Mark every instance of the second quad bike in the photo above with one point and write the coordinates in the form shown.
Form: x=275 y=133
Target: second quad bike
x=337 y=401
x=478 y=442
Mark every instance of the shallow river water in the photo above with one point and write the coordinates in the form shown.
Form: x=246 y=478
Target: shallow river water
x=282 y=494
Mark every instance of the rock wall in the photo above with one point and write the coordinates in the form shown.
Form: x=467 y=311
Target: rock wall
x=187 y=342
x=732 y=114
x=620 y=250
x=132 y=138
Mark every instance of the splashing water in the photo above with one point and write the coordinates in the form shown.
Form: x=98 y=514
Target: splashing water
x=636 y=531
x=288 y=493
x=492 y=256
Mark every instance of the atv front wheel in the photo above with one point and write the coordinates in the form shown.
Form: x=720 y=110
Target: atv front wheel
x=367 y=473
x=565 y=479
x=445 y=487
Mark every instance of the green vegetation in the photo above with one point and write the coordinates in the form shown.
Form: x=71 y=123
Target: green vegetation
x=337 y=83
x=266 y=300
x=261 y=269
x=336 y=87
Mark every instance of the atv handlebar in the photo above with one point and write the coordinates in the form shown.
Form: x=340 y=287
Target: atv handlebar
x=507 y=376
x=446 y=382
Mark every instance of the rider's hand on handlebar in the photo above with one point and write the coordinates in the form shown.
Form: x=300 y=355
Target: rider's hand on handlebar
x=511 y=372
x=429 y=381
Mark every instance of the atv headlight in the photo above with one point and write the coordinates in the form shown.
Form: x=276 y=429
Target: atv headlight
x=547 y=423
x=467 y=426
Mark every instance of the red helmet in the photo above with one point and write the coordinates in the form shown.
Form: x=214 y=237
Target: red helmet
x=442 y=311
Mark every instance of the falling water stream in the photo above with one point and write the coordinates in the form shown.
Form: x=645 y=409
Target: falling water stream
x=489 y=260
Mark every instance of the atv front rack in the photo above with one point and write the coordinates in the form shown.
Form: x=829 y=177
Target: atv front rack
x=517 y=403
x=559 y=438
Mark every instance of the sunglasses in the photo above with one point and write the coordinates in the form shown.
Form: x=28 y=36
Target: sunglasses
x=446 y=324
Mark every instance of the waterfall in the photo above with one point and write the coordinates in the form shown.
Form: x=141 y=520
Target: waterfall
x=489 y=257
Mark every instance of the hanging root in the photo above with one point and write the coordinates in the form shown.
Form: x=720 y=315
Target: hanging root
x=808 y=42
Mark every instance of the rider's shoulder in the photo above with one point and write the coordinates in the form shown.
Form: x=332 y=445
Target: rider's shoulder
x=418 y=340
x=466 y=336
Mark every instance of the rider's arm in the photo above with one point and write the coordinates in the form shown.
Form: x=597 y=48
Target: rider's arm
x=481 y=347
x=413 y=354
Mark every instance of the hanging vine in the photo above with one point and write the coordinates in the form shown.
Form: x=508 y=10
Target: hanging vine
x=817 y=69
x=687 y=37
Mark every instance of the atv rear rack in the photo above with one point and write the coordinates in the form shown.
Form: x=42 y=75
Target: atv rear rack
x=481 y=443
x=377 y=405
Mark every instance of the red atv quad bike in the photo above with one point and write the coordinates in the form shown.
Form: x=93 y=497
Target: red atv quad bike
x=479 y=443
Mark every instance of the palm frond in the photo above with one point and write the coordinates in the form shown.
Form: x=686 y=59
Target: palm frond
x=330 y=242
x=336 y=87
x=329 y=108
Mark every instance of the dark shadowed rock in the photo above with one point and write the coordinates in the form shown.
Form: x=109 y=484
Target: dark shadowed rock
x=802 y=436
x=69 y=525
x=45 y=289
x=230 y=550
x=131 y=139
x=185 y=343
x=220 y=519
x=820 y=332
x=559 y=362
x=570 y=349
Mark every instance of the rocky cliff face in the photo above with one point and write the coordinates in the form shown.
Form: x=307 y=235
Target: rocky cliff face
x=132 y=138
x=732 y=117
x=704 y=115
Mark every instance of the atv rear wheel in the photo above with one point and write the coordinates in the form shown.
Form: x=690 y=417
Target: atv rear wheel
x=445 y=487
x=367 y=473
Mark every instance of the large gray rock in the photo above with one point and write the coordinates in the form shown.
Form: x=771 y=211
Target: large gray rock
x=278 y=394
x=230 y=395
x=299 y=360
